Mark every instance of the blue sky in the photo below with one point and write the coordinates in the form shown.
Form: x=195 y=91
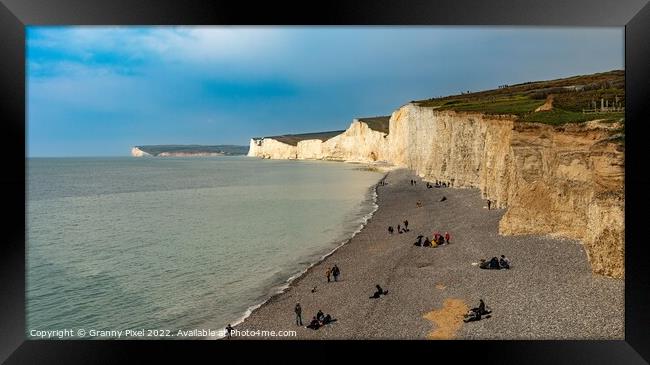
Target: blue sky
x=97 y=91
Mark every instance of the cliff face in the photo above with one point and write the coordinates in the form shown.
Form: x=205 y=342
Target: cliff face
x=270 y=148
x=136 y=152
x=565 y=180
x=358 y=143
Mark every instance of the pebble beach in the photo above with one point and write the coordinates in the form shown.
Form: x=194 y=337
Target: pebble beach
x=549 y=293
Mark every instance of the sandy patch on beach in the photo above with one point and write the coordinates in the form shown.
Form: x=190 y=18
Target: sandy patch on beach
x=447 y=320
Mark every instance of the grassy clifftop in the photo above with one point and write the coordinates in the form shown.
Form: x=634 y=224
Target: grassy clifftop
x=565 y=99
x=379 y=124
x=293 y=139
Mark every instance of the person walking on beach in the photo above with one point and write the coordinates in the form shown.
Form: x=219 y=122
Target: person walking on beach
x=336 y=272
x=228 y=330
x=406 y=225
x=298 y=311
x=489 y=204
x=328 y=273
x=447 y=237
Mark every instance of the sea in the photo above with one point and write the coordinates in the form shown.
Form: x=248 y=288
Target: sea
x=177 y=244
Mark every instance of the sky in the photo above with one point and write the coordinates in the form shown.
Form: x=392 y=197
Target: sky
x=98 y=91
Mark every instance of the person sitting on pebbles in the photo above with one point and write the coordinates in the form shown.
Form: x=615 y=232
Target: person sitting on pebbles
x=314 y=324
x=475 y=314
x=379 y=292
x=504 y=262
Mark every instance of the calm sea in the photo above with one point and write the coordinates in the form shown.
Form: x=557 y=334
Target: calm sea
x=178 y=243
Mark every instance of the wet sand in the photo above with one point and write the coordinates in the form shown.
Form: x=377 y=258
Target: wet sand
x=550 y=292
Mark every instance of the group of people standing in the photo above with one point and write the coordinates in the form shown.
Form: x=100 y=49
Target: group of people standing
x=439 y=184
x=399 y=228
x=413 y=182
x=333 y=272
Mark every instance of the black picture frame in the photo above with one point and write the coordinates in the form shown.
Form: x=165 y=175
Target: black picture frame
x=634 y=15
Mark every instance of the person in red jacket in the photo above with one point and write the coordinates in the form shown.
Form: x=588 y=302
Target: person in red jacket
x=447 y=237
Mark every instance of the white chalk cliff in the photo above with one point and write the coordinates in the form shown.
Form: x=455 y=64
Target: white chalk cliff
x=565 y=180
x=136 y=152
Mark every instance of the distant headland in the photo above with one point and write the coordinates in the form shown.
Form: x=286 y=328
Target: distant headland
x=172 y=150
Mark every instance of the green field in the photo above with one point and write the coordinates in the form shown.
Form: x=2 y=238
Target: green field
x=293 y=139
x=379 y=124
x=570 y=96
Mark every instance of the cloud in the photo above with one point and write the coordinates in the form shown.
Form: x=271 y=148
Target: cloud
x=229 y=83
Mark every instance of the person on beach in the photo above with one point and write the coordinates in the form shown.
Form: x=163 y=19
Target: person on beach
x=228 y=330
x=379 y=292
x=488 y=202
x=504 y=262
x=419 y=241
x=328 y=273
x=399 y=229
x=406 y=225
x=427 y=242
x=475 y=314
x=320 y=316
x=390 y=229
x=492 y=264
x=418 y=204
x=447 y=237
x=472 y=316
x=443 y=199
x=336 y=272
x=314 y=324
x=298 y=311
